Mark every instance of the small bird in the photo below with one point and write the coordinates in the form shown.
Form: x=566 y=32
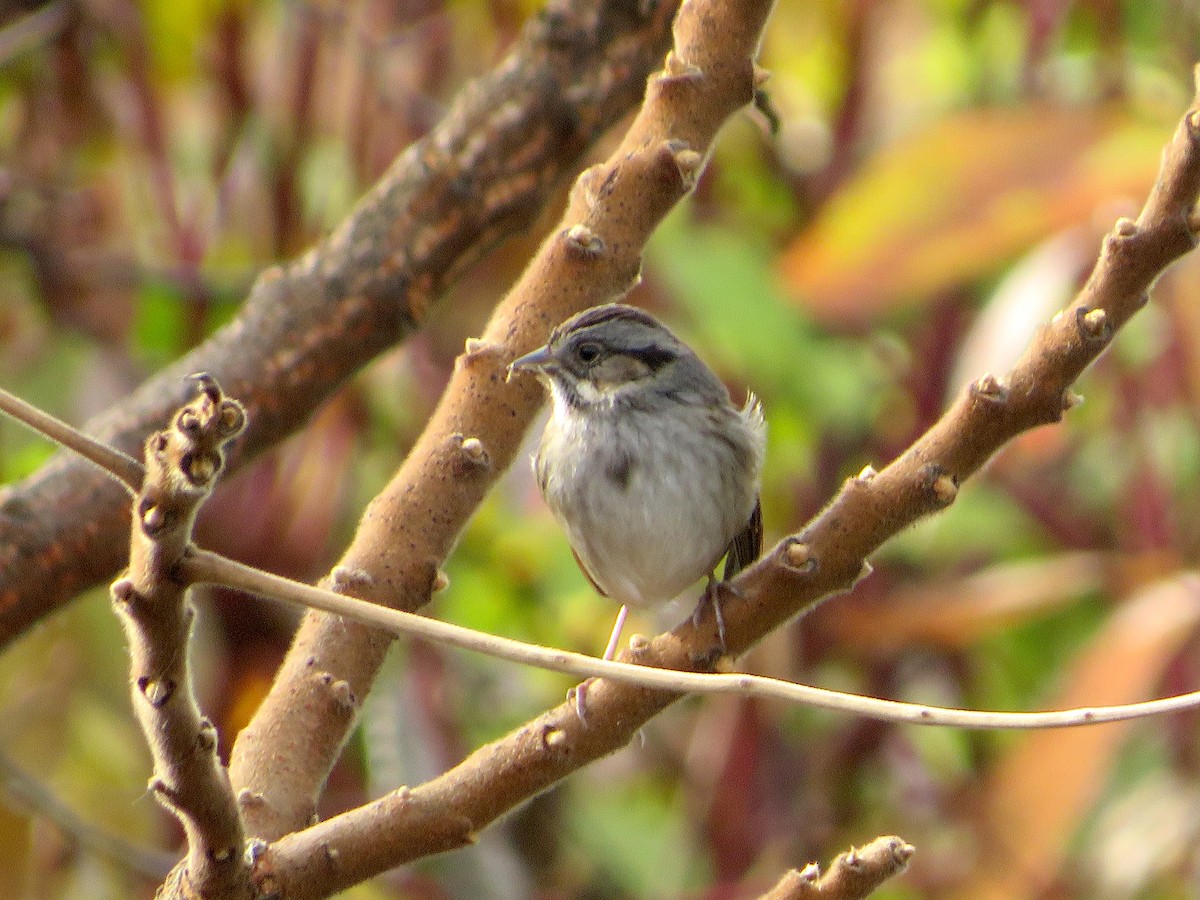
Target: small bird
x=645 y=462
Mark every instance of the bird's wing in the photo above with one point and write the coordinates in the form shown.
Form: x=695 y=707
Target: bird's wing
x=588 y=575
x=746 y=544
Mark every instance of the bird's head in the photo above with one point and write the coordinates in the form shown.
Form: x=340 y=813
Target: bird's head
x=606 y=354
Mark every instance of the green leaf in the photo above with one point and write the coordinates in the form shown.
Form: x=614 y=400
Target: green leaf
x=158 y=329
x=743 y=326
x=635 y=834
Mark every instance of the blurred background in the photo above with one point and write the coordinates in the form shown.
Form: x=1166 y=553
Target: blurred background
x=926 y=183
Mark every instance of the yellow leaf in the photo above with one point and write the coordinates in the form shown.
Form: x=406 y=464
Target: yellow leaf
x=958 y=200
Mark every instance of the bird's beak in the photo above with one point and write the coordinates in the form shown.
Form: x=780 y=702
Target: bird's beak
x=531 y=362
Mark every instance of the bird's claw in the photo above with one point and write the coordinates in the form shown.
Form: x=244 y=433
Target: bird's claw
x=711 y=595
x=577 y=697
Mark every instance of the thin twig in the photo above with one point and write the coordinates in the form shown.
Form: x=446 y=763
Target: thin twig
x=124 y=468
x=202 y=566
x=38 y=27
x=852 y=876
x=34 y=795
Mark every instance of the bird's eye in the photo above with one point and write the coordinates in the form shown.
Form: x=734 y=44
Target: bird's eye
x=588 y=352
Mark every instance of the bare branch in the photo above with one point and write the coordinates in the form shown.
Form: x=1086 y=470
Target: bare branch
x=829 y=554
x=854 y=874
x=182 y=463
x=120 y=465
x=593 y=256
x=482 y=174
x=201 y=566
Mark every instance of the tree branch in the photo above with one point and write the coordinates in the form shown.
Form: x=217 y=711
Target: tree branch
x=854 y=874
x=182 y=463
x=203 y=567
x=481 y=174
x=406 y=532
x=828 y=556
x=830 y=553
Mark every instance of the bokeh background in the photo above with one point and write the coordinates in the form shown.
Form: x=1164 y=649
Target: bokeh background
x=928 y=182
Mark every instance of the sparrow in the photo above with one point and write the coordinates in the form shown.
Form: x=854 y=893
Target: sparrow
x=645 y=462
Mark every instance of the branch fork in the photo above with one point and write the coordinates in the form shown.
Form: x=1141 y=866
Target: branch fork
x=282 y=760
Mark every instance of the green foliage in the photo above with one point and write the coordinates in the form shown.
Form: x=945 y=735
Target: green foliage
x=982 y=523
x=159 y=328
x=632 y=832
x=1016 y=668
x=724 y=281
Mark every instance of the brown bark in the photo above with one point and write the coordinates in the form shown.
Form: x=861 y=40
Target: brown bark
x=182 y=465
x=281 y=760
x=853 y=875
x=483 y=173
x=826 y=557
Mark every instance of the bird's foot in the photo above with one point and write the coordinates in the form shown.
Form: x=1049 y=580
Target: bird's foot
x=578 y=694
x=577 y=697
x=712 y=595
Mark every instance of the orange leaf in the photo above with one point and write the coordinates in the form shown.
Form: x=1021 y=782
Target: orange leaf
x=958 y=612
x=1047 y=781
x=956 y=201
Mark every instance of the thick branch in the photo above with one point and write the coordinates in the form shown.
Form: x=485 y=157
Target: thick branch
x=829 y=554
x=826 y=557
x=283 y=757
x=482 y=174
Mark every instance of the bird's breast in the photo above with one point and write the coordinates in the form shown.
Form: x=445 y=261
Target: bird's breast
x=649 y=501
